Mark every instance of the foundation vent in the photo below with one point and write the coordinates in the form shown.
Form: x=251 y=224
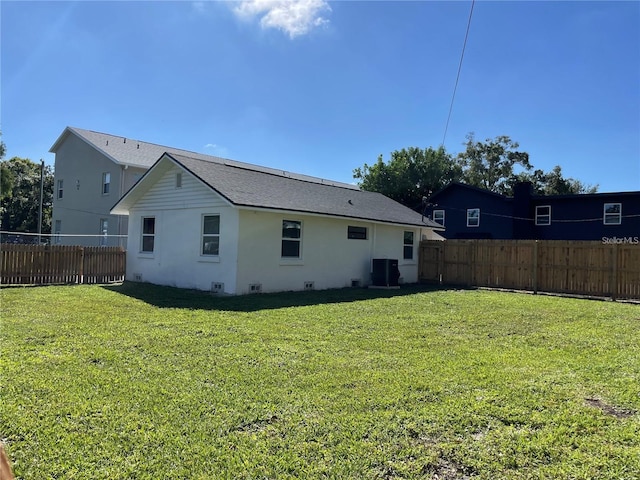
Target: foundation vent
x=217 y=287
x=308 y=285
x=355 y=282
x=137 y=277
x=255 y=288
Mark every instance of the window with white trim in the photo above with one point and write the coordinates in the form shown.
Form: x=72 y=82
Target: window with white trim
x=60 y=189
x=210 y=235
x=438 y=217
x=408 y=246
x=473 y=217
x=179 y=180
x=106 y=183
x=612 y=214
x=148 y=234
x=291 y=238
x=543 y=215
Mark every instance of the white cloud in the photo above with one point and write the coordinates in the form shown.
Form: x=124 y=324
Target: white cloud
x=216 y=150
x=294 y=17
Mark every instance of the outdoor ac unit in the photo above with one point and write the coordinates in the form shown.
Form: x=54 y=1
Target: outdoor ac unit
x=385 y=272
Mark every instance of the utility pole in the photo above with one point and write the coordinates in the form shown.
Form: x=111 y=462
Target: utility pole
x=41 y=200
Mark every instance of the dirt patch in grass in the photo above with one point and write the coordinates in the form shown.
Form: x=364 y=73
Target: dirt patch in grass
x=447 y=470
x=609 y=409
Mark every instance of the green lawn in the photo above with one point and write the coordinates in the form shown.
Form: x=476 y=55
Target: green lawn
x=143 y=382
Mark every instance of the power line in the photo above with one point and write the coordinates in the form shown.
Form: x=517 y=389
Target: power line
x=528 y=219
x=455 y=88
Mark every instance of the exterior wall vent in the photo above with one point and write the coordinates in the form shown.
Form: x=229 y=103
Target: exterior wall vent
x=137 y=277
x=355 y=282
x=255 y=288
x=308 y=285
x=217 y=287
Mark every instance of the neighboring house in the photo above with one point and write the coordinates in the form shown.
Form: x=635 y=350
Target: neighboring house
x=236 y=228
x=470 y=212
x=92 y=171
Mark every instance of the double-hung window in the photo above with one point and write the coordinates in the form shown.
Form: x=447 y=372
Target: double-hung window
x=106 y=183
x=408 y=246
x=210 y=235
x=60 y=189
x=148 y=234
x=543 y=215
x=473 y=217
x=291 y=238
x=612 y=214
x=438 y=217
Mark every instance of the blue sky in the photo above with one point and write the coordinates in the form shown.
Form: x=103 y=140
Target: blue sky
x=322 y=88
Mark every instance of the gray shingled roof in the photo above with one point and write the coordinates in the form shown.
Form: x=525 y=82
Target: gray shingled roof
x=246 y=187
x=136 y=153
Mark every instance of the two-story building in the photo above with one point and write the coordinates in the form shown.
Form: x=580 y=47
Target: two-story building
x=471 y=212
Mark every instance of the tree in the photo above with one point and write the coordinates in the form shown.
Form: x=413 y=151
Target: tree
x=6 y=178
x=409 y=175
x=491 y=164
x=412 y=173
x=20 y=204
x=552 y=183
x=555 y=184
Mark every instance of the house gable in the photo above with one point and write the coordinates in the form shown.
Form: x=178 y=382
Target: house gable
x=158 y=189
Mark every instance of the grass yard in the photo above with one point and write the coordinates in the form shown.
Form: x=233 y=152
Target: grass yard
x=144 y=382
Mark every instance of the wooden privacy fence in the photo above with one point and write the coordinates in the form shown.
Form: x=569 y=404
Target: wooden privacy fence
x=572 y=267
x=56 y=264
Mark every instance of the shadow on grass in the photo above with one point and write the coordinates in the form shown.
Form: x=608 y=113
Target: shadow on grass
x=170 y=297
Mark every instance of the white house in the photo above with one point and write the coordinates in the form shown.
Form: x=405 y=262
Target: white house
x=236 y=228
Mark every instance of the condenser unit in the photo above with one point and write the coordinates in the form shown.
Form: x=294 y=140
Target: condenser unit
x=385 y=272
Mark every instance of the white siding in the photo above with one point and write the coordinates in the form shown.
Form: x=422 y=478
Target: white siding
x=164 y=195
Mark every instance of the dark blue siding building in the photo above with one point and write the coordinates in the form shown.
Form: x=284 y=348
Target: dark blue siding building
x=470 y=212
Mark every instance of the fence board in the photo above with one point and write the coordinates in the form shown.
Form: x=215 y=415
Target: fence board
x=584 y=268
x=60 y=264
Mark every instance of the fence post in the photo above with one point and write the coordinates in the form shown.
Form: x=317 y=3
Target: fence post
x=614 y=272
x=535 y=267
x=471 y=263
x=81 y=267
x=441 y=249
